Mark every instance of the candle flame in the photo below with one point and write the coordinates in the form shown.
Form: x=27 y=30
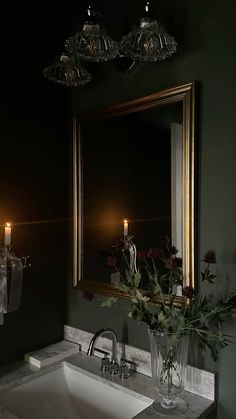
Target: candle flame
x=8 y=224
x=125 y=221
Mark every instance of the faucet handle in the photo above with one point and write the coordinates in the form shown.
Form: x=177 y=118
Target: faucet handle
x=132 y=364
x=114 y=367
x=124 y=369
x=106 y=363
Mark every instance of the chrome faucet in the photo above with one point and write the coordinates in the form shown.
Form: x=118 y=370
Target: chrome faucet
x=114 y=366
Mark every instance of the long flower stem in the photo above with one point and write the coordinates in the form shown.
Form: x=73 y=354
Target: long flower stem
x=117 y=270
x=154 y=266
x=201 y=331
x=215 y=311
x=170 y=282
x=126 y=260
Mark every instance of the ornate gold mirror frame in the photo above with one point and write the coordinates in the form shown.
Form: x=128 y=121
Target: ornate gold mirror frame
x=184 y=94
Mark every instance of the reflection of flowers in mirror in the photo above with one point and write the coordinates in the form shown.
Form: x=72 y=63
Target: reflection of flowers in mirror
x=162 y=262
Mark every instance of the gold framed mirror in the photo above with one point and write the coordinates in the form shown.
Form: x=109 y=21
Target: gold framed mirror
x=97 y=141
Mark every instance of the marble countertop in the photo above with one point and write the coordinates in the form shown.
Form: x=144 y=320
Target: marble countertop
x=137 y=384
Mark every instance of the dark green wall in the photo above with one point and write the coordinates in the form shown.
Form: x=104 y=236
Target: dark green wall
x=34 y=189
x=33 y=177
x=206 y=35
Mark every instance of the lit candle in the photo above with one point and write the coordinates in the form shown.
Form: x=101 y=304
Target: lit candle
x=125 y=228
x=7 y=234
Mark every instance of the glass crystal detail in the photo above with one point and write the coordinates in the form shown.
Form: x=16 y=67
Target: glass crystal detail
x=92 y=43
x=149 y=41
x=67 y=71
x=169 y=356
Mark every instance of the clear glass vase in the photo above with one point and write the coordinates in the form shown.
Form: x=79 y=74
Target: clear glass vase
x=169 y=357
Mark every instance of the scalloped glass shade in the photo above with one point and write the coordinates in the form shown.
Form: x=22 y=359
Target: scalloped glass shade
x=148 y=42
x=68 y=72
x=92 y=44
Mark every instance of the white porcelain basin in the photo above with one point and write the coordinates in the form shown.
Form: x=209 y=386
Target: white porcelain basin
x=66 y=393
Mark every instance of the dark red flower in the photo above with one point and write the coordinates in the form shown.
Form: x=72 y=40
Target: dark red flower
x=173 y=250
x=156 y=253
x=173 y=262
x=141 y=256
x=111 y=261
x=153 y=253
x=210 y=256
x=177 y=262
x=149 y=254
x=88 y=295
x=188 y=292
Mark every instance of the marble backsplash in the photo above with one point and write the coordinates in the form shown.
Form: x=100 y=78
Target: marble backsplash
x=199 y=382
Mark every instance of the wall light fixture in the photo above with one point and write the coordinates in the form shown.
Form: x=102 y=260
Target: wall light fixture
x=147 y=42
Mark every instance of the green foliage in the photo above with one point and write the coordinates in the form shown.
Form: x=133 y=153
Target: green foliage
x=109 y=302
x=204 y=317
x=198 y=315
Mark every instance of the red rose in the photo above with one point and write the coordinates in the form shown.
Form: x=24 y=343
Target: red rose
x=156 y=253
x=173 y=250
x=111 y=261
x=88 y=295
x=210 y=256
x=177 y=262
x=153 y=253
x=141 y=256
x=188 y=292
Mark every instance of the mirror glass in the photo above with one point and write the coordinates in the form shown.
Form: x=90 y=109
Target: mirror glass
x=129 y=164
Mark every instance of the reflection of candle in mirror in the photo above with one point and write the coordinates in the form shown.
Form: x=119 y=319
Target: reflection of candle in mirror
x=125 y=228
x=7 y=234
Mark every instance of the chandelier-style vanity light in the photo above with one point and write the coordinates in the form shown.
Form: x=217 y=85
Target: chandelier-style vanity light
x=92 y=43
x=67 y=71
x=148 y=42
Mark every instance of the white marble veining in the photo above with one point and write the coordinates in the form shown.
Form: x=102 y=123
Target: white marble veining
x=52 y=353
x=198 y=381
x=137 y=384
x=128 y=352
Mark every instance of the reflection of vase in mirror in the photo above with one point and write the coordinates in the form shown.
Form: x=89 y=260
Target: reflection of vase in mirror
x=129 y=170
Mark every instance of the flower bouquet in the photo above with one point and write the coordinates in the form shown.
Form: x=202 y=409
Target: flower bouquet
x=153 y=302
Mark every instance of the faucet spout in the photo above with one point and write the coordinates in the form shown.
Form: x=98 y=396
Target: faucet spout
x=101 y=332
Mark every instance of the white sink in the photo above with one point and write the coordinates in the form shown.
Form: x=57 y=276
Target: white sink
x=67 y=393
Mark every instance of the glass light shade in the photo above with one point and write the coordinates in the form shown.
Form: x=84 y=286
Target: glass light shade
x=149 y=41
x=68 y=72
x=92 y=43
